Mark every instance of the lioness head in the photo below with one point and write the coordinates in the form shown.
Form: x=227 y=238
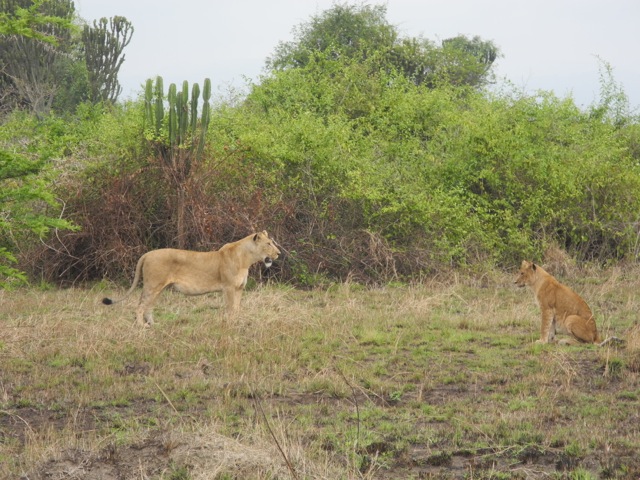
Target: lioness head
x=527 y=274
x=266 y=247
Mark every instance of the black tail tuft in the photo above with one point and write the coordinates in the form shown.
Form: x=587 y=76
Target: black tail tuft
x=107 y=301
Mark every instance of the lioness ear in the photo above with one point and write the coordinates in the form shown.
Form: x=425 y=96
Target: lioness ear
x=255 y=237
x=533 y=266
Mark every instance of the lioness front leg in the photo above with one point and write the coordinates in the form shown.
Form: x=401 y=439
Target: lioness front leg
x=232 y=296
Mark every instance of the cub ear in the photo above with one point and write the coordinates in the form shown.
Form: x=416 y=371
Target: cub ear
x=533 y=266
x=255 y=237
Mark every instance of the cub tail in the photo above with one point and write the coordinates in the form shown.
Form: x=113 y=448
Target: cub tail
x=614 y=341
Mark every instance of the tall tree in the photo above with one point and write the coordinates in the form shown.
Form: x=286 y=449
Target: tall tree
x=22 y=193
x=360 y=32
x=467 y=61
x=348 y=30
x=33 y=56
x=103 y=46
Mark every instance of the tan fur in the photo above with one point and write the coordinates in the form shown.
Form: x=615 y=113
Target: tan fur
x=562 y=309
x=196 y=273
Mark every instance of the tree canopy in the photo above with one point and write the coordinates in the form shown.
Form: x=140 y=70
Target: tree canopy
x=344 y=30
x=26 y=19
x=360 y=32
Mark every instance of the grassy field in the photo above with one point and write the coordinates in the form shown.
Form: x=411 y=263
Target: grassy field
x=439 y=380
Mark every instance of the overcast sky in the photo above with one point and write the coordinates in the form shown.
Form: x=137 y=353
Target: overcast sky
x=546 y=44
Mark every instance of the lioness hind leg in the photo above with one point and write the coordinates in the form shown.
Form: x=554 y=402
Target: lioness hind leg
x=582 y=330
x=144 y=313
x=140 y=316
x=144 y=316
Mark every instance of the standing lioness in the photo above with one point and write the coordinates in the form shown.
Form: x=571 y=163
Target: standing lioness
x=196 y=273
x=562 y=308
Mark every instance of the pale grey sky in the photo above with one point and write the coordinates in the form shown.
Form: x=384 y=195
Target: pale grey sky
x=547 y=44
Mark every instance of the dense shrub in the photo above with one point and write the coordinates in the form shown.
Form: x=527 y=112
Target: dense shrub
x=448 y=176
x=357 y=172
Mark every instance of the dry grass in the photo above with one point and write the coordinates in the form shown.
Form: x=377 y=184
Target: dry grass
x=440 y=380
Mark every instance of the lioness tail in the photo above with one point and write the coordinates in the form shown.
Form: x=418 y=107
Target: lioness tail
x=136 y=279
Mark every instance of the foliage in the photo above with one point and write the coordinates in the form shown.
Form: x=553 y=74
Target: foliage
x=454 y=175
x=25 y=208
x=123 y=195
x=27 y=204
x=25 y=20
x=70 y=176
x=465 y=62
x=614 y=103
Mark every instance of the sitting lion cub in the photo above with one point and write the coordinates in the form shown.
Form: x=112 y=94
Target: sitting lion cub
x=196 y=273
x=562 y=308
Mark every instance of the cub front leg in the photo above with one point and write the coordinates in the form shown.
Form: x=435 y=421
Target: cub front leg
x=547 y=327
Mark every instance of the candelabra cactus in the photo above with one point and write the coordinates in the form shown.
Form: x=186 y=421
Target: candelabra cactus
x=177 y=135
x=206 y=113
x=183 y=131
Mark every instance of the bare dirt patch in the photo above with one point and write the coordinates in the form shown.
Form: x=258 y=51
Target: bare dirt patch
x=197 y=456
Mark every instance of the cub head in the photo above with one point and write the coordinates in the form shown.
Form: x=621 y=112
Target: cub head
x=527 y=274
x=266 y=248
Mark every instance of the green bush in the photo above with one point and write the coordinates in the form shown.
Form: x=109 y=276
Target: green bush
x=360 y=172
